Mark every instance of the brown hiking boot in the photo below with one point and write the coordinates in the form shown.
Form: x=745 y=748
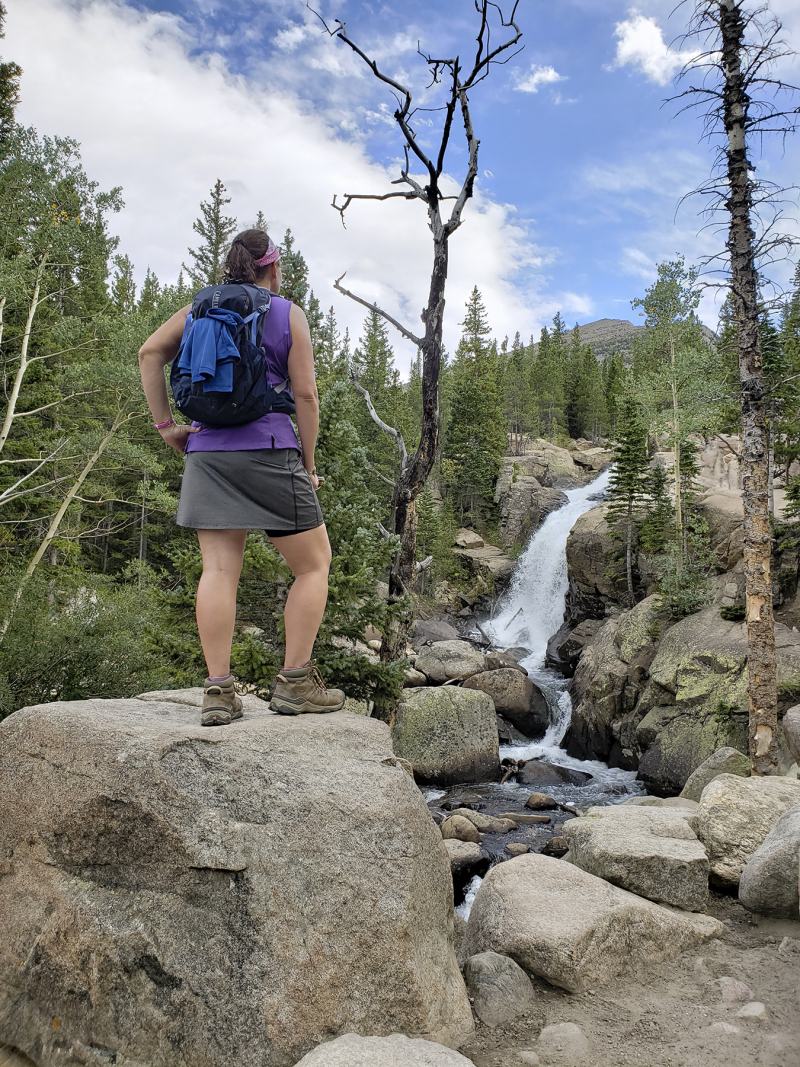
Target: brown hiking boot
x=300 y=690
x=220 y=703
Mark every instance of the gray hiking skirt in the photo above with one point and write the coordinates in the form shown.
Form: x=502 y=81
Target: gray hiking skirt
x=259 y=489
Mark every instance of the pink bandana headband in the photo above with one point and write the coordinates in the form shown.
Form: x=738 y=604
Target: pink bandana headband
x=272 y=253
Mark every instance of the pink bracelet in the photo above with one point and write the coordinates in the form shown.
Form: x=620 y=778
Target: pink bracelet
x=164 y=425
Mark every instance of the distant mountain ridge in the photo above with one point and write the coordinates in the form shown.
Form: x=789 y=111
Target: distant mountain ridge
x=616 y=335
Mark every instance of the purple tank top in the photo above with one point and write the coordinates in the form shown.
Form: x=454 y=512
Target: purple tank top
x=270 y=431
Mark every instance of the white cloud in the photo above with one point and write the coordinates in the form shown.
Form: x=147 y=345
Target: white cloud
x=640 y=43
x=537 y=77
x=165 y=124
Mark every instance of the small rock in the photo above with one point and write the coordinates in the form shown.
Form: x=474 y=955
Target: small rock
x=396 y=1050
x=375 y=645
x=487 y=824
x=564 y=1044
x=540 y=802
x=468 y=539
x=461 y=829
x=724 y=1028
x=754 y=1010
x=536 y=772
x=499 y=988
x=528 y=1058
x=723 y=761
x=518 y=652
x=496 y=661
x=525 y=820
x=516 y=848
x=556 y=847
x=732 y=989
x=414 y=678
x=464 y=856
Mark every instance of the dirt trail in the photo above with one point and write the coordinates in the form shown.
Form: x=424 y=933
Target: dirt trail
x=669 y=1017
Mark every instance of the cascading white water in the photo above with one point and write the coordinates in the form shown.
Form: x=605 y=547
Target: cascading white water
x=532 y=611
x=534 y=607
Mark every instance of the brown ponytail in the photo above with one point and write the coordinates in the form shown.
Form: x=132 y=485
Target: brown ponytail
x=240 y=263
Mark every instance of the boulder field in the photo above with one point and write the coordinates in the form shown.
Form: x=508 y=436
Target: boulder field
x=173 y=894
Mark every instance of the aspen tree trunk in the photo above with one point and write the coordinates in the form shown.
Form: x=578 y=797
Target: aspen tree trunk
x=55 y=523
x=23 y=357
x=762 y=684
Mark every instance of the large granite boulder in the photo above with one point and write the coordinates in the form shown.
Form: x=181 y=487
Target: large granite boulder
x=489 y=564
x=397 y=1050
x=174 y=894
x=653 y=852
x=592 y=553
x=573 y=929
x=735 y=816
x=428 y=631
x=447 y=661
x=560 y=462
x=769 y=882
x=565 y=647
x=448 y=735
x=524 y=503
x=724 y=761
x=519 y=700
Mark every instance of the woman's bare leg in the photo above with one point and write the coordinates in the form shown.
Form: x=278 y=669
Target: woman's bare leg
x=309 y=557
x=223 y=551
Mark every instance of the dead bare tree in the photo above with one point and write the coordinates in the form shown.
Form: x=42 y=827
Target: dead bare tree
x=457 y=82
x=742 y=102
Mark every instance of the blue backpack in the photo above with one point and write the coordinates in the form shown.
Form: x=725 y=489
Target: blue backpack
x=220 y=376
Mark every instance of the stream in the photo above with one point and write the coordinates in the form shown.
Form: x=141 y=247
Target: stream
x=530 y=613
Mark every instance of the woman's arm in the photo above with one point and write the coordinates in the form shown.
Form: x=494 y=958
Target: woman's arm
x=159 y=349
x=304 y=387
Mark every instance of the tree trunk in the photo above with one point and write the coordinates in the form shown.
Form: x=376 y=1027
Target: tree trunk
x=419 y=466
x=11 y=410
x=762 y=683
x=55 y=523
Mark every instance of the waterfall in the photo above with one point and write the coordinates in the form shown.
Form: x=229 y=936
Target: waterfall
x=531 y=612
x=533 y=608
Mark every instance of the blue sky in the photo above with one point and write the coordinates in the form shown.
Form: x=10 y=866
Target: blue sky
x=581 y=165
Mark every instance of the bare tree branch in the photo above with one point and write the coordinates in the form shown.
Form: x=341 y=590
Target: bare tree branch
x=378 y=311
x=390 y=430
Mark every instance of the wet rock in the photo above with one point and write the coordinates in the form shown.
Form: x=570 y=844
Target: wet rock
x=769 y=881
x=724 y=761
x=495 y=661
x=593 y=459
x=460 y=829
x=499 y=988
x=539 y=773
x=652 y=852
x=526 y=820
x=518 y=652
x=467 y=860
x=427 y=631
x=540 y=802
x=448 y=735
x=524 y=504
x=556 y=847
x=466 y=538
x=487 y=824
x=508 y=734
x=517 y=848
x=591 y=558
x=565 y=647
x=445 y=661
x=515 y=697
x=573 y=929
x=563 y=1045
x=397 y=1050
x=735 y=816
x=169 y=877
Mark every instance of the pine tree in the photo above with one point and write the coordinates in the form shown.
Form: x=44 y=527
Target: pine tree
x=149 y=293
x=476 y=437
x=10 y=73
x=591 y=415
x=628 y=485
x=215 y=229
x=614 y=376
x=547 y=379
x=123 y=287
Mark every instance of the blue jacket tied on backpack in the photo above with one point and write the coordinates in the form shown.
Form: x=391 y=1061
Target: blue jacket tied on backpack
x=210 y=351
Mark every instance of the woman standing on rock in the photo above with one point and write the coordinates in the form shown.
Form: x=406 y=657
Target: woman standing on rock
x=253 y=476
